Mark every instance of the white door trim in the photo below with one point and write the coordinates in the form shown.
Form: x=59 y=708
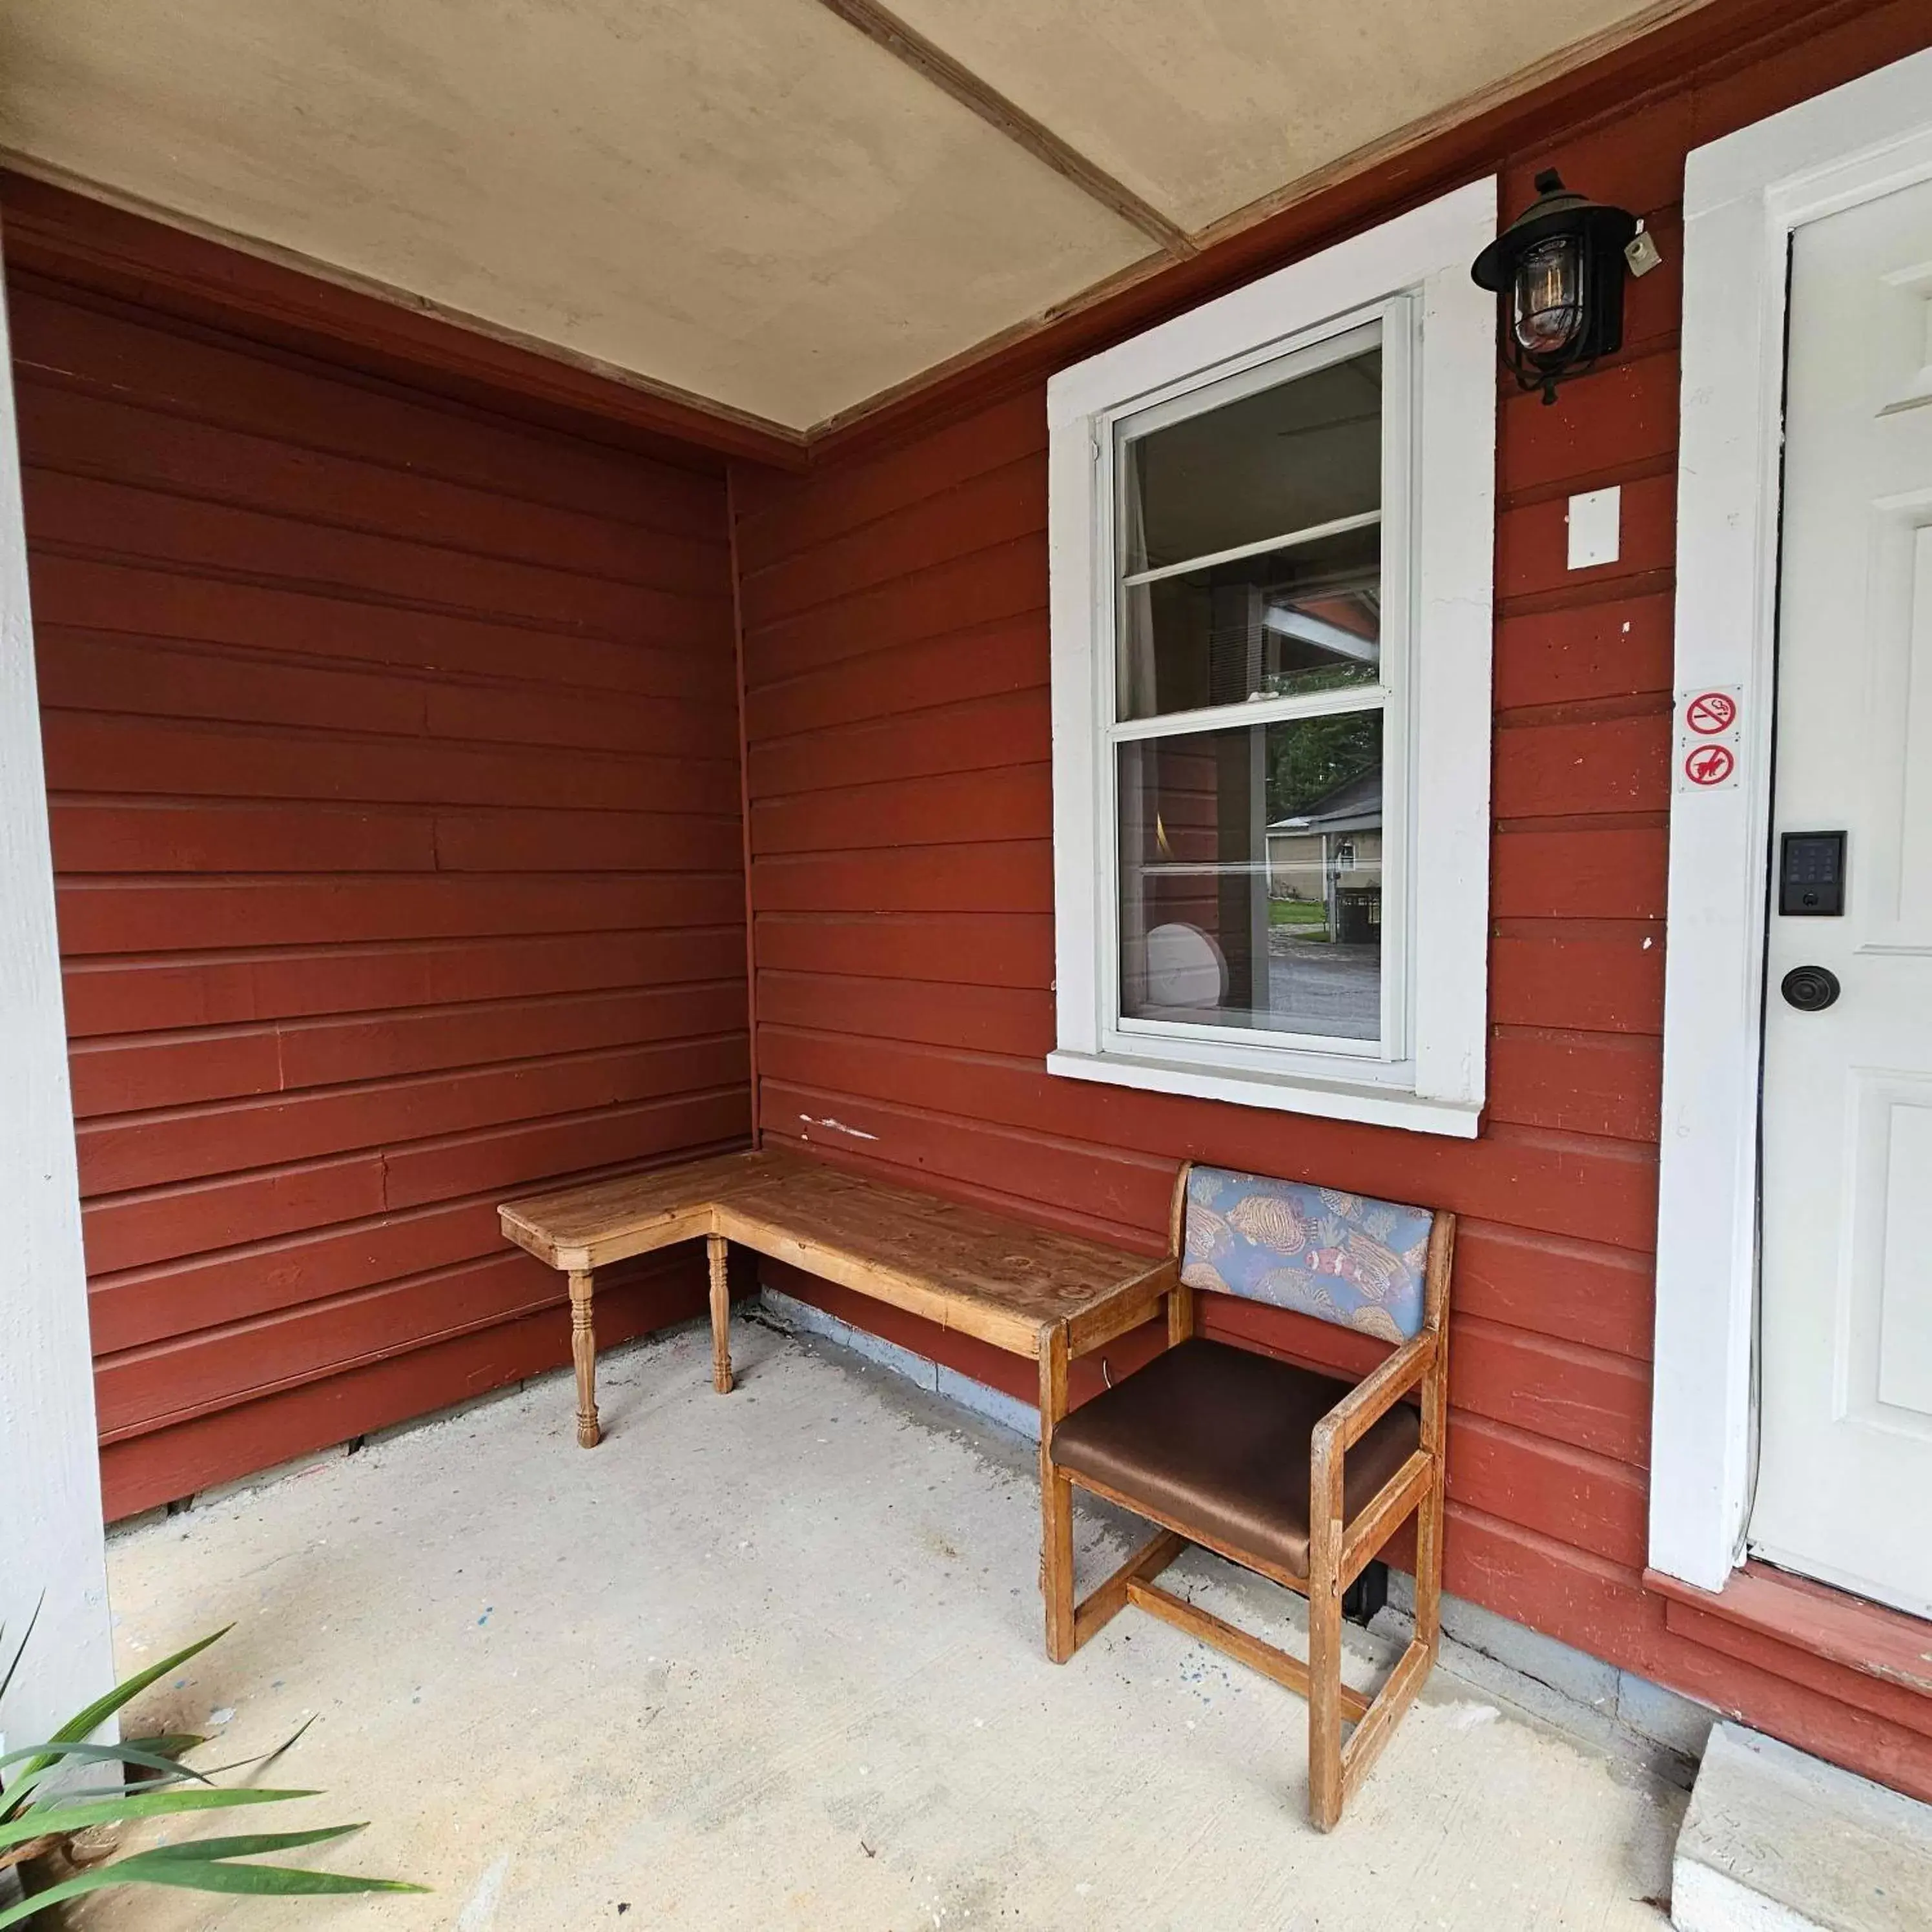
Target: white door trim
x=1743 y=196
x=50 y=1527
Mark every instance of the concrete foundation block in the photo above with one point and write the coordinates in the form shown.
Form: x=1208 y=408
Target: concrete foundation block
x=1776 y=1840
x=789 y=1312
x=1676 y=1722
x=280 y=1472
x=1584 y=1679
x=995 y=1405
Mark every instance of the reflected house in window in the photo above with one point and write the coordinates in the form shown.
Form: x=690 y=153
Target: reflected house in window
x=1329 y=857
x=1252 y=877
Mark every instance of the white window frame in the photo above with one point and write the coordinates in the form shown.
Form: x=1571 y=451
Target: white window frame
x=1203 y=1044
x=1439 y=347
x=1744 y=196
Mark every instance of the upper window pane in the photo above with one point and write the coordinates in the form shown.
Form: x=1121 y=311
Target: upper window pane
x=1224 y=593
x=1305 y=452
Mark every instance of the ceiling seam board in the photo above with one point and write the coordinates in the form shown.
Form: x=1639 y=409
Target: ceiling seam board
x=934 y=63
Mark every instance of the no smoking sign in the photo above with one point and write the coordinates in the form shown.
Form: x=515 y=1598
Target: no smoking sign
x=1707 y=751
x=1710 y=711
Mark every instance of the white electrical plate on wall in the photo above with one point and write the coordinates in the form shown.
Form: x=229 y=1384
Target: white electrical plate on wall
x=1596 y=528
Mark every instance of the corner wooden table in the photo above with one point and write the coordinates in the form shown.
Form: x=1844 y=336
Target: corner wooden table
x=1046 y=1296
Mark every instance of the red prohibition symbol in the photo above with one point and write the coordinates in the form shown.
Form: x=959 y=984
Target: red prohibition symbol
x=1709 y=765
x=1711 y=711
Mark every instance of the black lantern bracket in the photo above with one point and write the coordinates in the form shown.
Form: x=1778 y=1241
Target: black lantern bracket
x=1558 y=271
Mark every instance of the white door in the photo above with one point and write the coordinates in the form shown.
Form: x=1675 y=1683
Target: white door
x=1844 y=1481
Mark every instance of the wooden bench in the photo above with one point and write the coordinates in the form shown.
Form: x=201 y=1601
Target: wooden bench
x=1046 y=1296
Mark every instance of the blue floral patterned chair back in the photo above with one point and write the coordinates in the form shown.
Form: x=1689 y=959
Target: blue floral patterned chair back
x=1342 y=1258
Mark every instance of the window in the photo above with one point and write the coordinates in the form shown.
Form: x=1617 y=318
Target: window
x=1272 y=528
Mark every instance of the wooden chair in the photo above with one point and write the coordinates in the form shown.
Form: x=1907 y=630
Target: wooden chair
x=1296 y=1476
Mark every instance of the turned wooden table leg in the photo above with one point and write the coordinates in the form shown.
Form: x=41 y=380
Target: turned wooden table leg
x=583 y=1352
x=1056 y=1501
x=721 y=1316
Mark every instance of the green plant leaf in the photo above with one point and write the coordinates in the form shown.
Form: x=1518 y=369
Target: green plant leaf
x=134 y=1754
x=80 y=1817
x=266 y=1757
x=247 y=1846
x=50 y=1760
x=169 y=1744
x=173 y=1864
x=79 y=1792
x=84 y=1724
x=20 y=1649
x=163 y=1754
x=205 y=1864
x=213 y=1875
x=288 y=1743
x=73 y=1887
x=218 y=1875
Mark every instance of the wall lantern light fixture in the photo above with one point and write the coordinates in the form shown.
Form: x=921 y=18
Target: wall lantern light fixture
x=1559 y=268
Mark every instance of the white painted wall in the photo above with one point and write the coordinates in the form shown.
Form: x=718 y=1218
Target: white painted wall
x=50 y=1525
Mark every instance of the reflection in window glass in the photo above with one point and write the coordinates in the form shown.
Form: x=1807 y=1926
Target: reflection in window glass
x=1305 y=452
x=1282 y=623
x=1251 y=877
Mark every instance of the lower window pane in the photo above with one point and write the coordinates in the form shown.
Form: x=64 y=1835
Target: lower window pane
x=1251 y=877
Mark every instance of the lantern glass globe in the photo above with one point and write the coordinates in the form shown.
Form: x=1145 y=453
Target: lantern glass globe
x=1547 y=300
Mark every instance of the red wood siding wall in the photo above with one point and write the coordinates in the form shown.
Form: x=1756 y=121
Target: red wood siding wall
x=897 y=722
x=392 y=751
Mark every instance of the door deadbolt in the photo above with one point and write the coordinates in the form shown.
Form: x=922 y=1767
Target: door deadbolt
x=1809 y=988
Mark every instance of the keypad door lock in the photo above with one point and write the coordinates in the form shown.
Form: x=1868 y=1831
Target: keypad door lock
x=1811 y=875
x=1809 y=988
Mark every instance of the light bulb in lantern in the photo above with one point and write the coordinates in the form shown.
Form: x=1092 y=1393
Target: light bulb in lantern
x=1548 y=296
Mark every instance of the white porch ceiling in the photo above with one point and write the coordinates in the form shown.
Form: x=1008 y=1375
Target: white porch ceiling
x=750 y=201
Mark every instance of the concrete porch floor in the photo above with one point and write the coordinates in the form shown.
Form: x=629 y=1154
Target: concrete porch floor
x=774 y=1660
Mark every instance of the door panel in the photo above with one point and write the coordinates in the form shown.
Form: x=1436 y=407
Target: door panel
x=1845 y=1468
x=1902 y=1338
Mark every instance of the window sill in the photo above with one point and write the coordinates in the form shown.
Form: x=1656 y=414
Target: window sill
x=1327 y=1099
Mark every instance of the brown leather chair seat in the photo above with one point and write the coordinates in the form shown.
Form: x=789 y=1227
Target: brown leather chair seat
x=1219 y=1437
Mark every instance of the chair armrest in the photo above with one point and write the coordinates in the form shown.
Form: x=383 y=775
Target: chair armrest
x=1352 y=1418
x=1333 y=1546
